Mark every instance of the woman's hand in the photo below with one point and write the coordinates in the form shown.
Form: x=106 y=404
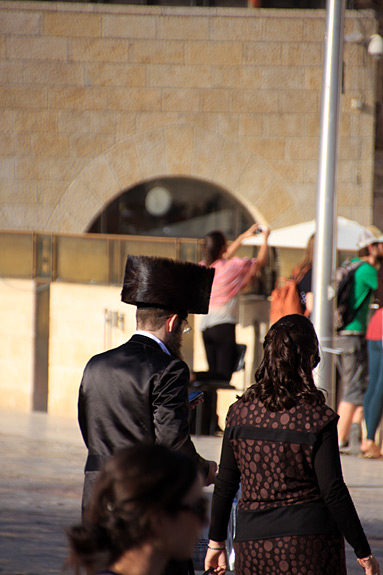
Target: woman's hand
x=256 y=229
x=233 y=247
x=216 y=557
x=370 y=565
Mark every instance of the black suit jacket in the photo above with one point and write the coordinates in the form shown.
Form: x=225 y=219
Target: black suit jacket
x=135 y=393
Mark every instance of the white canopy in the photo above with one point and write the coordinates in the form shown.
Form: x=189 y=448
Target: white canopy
x=298 y=235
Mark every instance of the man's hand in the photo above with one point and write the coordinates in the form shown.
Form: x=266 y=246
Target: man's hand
x=212 y=473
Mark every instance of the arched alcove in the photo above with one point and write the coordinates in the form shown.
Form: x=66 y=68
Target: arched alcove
x=173 y=207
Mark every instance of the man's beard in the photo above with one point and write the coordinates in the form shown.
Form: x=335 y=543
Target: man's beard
x=174 y=343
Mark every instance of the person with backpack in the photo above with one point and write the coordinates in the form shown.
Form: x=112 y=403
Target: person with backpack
x=351 y=338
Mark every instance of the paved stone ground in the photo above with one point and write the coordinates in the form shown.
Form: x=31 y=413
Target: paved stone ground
x=41 y=466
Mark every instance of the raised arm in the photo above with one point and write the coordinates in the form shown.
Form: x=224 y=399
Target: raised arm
x=236 y=244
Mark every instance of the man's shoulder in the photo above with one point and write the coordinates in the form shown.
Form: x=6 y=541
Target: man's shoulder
x=106 y=355
x=365 y=269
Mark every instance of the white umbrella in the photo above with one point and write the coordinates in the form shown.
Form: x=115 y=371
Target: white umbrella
x=298 y=235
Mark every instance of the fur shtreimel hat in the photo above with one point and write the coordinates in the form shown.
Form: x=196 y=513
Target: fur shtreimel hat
x=165 y=283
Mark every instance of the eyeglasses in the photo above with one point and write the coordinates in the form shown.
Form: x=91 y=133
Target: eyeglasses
x=199 y=509
x=187 y=328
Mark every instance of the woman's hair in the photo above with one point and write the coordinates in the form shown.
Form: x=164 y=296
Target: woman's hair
x=284 y=376
x=133 y=486
x=307 y=261
x=215 y=244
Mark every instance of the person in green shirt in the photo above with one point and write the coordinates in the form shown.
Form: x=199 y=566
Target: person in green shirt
x=351 y=340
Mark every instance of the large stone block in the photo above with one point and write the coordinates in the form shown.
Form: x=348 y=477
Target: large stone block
x=169 y=76
x=302 y=148
x=90 y=145
x=180 y=100
x=7 y=174
x=215 y=101
x=183 y=28
x=54 y=73
x=124 y=162
x=237 y=78
x=267 y=148
x=50 y=145
x=129 y=26
x=213 y=54
x=179 y=149
x=138 y=99
x=243 y=29
x=247 y=102
x=21 y=22
x=5 y=121
x=299 y=101
x=274 y=202
x=286 y=29
x=13 y=97
x=251 y=125
x=288 y=125
x=72 y=24
x=281 y=78
x=262 y=53
x=99 y=50
x=107 y=74
x=37 y=48
x=157 y=52
x=15 y=144
x=11 y=72
x=35 y=121
x=78 y=98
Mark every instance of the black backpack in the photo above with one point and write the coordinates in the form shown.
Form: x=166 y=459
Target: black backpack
x=344 y=277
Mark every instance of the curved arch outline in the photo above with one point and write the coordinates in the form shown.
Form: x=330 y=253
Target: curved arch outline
x=177 y=150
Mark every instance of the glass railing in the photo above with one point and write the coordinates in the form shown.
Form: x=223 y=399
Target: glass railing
x=88 y=258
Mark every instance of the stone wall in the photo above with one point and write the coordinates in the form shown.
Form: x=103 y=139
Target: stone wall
x=96 y=98
x=17 y=333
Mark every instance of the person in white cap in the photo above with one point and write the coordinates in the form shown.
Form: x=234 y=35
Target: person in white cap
x=352 y=343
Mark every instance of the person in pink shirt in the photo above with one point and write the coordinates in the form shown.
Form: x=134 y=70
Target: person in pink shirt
x=232 y=275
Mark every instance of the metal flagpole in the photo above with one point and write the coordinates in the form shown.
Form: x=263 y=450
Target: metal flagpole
x=325 y=237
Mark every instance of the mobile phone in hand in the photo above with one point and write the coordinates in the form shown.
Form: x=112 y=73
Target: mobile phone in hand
x=195 y=396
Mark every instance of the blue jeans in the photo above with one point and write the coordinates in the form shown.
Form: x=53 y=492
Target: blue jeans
x=373 y=400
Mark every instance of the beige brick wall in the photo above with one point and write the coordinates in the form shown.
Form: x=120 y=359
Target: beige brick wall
x=96 y=98
x=78 y=331
x=17 y=313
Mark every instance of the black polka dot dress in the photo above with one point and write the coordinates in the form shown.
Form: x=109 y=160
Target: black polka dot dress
x=294 y=509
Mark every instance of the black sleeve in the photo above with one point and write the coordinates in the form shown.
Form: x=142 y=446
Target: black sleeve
x=328 y=470
x=226 y=487
x=171 y=413
x=82 y=414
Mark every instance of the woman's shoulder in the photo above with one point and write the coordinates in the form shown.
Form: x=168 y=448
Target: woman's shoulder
x=303 y=417
x=315 y=417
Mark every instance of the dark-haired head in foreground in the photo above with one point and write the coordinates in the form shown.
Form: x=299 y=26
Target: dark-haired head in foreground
x=146 y=508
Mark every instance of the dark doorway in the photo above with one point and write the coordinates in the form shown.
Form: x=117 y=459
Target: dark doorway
x=173 y=207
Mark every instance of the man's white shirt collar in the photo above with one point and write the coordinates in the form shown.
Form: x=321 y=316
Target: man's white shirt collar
x=155 y=338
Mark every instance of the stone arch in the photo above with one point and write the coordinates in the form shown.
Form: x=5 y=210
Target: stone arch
x=176 y=150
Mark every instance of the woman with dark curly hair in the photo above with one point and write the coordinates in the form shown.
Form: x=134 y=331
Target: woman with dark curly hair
x=281 y=445
x=146 y=509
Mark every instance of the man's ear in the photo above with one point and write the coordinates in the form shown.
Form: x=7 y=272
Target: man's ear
x=170 y=322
